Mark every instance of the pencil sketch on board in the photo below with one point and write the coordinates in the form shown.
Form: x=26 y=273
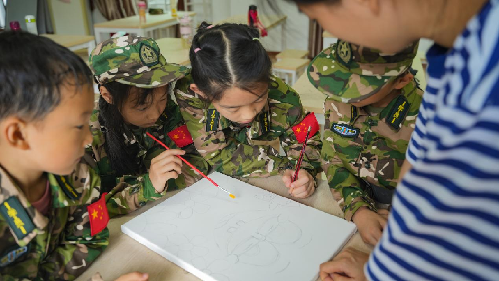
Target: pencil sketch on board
x=257 y=236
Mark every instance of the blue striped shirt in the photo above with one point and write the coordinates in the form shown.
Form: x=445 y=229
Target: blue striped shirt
x=445 y=218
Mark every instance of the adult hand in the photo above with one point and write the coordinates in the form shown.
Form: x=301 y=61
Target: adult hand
x=347 y=265
x=370 y=224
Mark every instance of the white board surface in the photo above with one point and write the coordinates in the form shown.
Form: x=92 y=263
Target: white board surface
x=257 y=236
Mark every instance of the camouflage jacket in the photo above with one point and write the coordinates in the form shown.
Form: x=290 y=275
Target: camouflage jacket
x=54 y=247
x=362 y=147
x=233 y=150
x=129 y=192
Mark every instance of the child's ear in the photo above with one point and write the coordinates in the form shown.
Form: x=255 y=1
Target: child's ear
x=402 y=81
x=196 y=90
x=14 y=132
x=106 y=95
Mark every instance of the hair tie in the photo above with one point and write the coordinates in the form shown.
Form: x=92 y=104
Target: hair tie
x=256 y=38
x=210 y=26
x=197 y=50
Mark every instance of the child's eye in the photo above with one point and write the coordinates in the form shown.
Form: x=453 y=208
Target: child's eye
x=142 y=109
x=80 y=127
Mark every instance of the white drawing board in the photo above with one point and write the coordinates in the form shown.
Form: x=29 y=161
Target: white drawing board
x=256 y=236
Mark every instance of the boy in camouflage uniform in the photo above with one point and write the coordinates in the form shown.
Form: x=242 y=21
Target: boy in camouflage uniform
x=46 y=228
x=371 y=108
x=137 y=62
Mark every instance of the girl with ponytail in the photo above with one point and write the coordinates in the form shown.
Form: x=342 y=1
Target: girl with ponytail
x=234 y=106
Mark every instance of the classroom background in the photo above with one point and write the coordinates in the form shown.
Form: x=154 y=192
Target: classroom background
x=292 y=40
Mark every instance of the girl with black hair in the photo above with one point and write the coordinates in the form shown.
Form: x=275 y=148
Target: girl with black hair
x=136 y=86
x=232 y=102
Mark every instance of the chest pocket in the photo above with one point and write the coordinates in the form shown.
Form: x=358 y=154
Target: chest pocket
x=341 y=134
x=355 y=144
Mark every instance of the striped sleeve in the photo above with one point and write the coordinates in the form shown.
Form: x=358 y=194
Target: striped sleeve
x=445 y=217
x=444 y=223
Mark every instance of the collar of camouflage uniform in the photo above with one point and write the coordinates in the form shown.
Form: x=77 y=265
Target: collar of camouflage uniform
x=259 y=125
x=23 y=219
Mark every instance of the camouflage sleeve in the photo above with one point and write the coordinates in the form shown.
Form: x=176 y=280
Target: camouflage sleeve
x=294 y=116
x=343 y=181
x=78 y=249
x=133 y=192
x=126 y=193
x=227 y=155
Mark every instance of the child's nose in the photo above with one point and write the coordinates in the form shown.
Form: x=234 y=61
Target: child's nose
x=249 y=113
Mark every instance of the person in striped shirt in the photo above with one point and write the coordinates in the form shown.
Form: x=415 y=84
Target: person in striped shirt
x=444 y=222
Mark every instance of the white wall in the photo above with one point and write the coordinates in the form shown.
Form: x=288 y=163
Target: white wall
x=71 y=18
x=297 y=24
x=221 y=9
x=17 y=10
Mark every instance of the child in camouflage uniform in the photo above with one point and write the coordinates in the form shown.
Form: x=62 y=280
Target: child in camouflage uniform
x=371 y=108
x=136 y=85
x=232 y=102
x=45 y=193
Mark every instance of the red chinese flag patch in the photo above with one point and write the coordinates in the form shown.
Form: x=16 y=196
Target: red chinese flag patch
x=98 y=215
x=300 y=129
x=181 y=136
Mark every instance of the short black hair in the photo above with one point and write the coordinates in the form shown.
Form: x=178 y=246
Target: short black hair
x=228 y=55
x=32 y=70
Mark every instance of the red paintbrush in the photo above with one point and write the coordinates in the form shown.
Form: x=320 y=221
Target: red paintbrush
x=300 y=159
x=194 y=168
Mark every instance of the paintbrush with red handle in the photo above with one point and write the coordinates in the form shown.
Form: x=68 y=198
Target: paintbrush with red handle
x=192 y=166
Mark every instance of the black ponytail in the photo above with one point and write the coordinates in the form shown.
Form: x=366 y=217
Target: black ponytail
x=226 y=56
x=122 y=156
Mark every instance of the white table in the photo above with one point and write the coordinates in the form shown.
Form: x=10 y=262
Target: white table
x=73 y=42
x=132 y=25
x=124 y=254
x=174 y=50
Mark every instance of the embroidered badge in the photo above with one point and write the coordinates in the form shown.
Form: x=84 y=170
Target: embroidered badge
x=344 y=52
x=398 y=112
x=345 y=130
x=301 y=128
x=148 y=55
x=212 y=119
x=13 y=255
x=181 y=136
x=70 y=192
x=98 y=215
x=17 y=217
x=264 y=122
